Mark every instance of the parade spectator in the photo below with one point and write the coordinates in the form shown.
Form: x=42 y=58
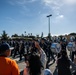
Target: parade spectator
x=34 y=66
x=73 y=65
x=42 y=54
x=64 y=64
x=7 y=65
x=37 y=62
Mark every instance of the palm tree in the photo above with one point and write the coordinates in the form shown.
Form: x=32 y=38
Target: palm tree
x=22 y=35
x=25 y=33
x=4 y=35
x=42 y=35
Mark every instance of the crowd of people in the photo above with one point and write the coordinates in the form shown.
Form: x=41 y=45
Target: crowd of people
x=37 y=54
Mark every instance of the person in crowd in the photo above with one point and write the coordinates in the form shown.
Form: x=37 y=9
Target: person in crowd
x=22 y=50
x=40 y=51
x=41 y=57
x=12 y=45
x=34 y=66
x=63 y=45
x=27 y=46
x=45 y=45
x=50 y=53
x=73 y=65
x=16 y=49
x=63 y=64
x=74 y=50
x=7 y=65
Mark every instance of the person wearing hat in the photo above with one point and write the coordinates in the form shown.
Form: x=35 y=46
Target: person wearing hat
x=7 y=65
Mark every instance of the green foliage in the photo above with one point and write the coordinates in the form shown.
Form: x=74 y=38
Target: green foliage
x=37 y=36
x=15 y=35
x=31 y=36
x=42 y=35
x=4 y=35
x=73 y=34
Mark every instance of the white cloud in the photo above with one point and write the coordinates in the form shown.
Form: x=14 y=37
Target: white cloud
x=60 y=16
x=59 y=2
x=54 y=5
x=20 y=2
x=52 y=2
x=70 y=2
x=47 y=1
x=60 y=6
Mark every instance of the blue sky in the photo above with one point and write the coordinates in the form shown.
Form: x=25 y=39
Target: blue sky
x=17 y=16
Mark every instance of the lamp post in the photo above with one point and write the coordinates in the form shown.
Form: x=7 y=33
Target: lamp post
x=49 y=24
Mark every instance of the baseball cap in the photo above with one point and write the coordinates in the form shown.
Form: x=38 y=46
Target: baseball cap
x=47 y=72
x=5 y=47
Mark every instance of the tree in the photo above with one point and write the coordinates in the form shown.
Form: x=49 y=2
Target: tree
x=42 y=35
x=31 y=34
x=25 y=33
x=22 y=35
x=15 y=35
x=4 y=35
x=37 y=35
x=73 y=34
x=49 y=36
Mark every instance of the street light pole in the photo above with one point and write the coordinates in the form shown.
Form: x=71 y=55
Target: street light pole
x=49 y=24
